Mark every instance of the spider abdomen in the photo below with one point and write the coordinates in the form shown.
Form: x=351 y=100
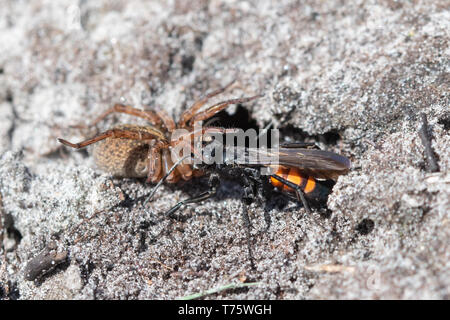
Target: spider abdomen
x=123 y=157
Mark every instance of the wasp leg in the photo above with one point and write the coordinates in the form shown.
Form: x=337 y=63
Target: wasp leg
x=201 y=197
x=247 y=225
x=254 y=180
x=248 y=197
x=307 y=145
x=298 y=191
x=432 y=165
x=213 y=183
x=264 y=193
x=164 y=178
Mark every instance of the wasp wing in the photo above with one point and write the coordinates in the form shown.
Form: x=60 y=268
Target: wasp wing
x=317 y=163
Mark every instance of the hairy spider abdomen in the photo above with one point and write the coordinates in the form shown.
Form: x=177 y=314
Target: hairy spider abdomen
x=123 y=157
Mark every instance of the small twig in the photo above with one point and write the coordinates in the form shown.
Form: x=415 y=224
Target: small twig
x=426 y=141
x=96 y=213
x=47 y=260
x=216 y=290
x=162 y=264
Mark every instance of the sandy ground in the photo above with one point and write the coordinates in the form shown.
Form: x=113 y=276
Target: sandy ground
x=353 y=77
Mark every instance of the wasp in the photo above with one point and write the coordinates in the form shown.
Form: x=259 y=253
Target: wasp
x=300 y=170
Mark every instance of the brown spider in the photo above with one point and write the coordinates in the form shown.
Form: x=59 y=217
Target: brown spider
x=145 y=151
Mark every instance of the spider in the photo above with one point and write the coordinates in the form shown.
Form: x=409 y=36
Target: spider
x=135 y=151
x=146 y=151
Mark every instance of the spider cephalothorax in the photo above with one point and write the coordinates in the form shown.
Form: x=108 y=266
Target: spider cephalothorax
x=147 y=151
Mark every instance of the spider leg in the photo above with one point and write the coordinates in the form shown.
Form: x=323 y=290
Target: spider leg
x=114 y=133
x=148 y=115
x=185 y=167
x=167 y=120
x=165 y=177
x=208 y=113
x=189 y=113
x=205 y=129
x=298 y=191
x=154 y=162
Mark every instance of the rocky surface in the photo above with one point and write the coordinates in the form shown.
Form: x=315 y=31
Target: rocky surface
x=353 y=77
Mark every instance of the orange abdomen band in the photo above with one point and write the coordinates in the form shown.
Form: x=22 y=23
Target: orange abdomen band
x=293 y=175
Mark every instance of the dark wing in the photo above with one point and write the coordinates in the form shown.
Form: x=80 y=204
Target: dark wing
x=317 y=163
